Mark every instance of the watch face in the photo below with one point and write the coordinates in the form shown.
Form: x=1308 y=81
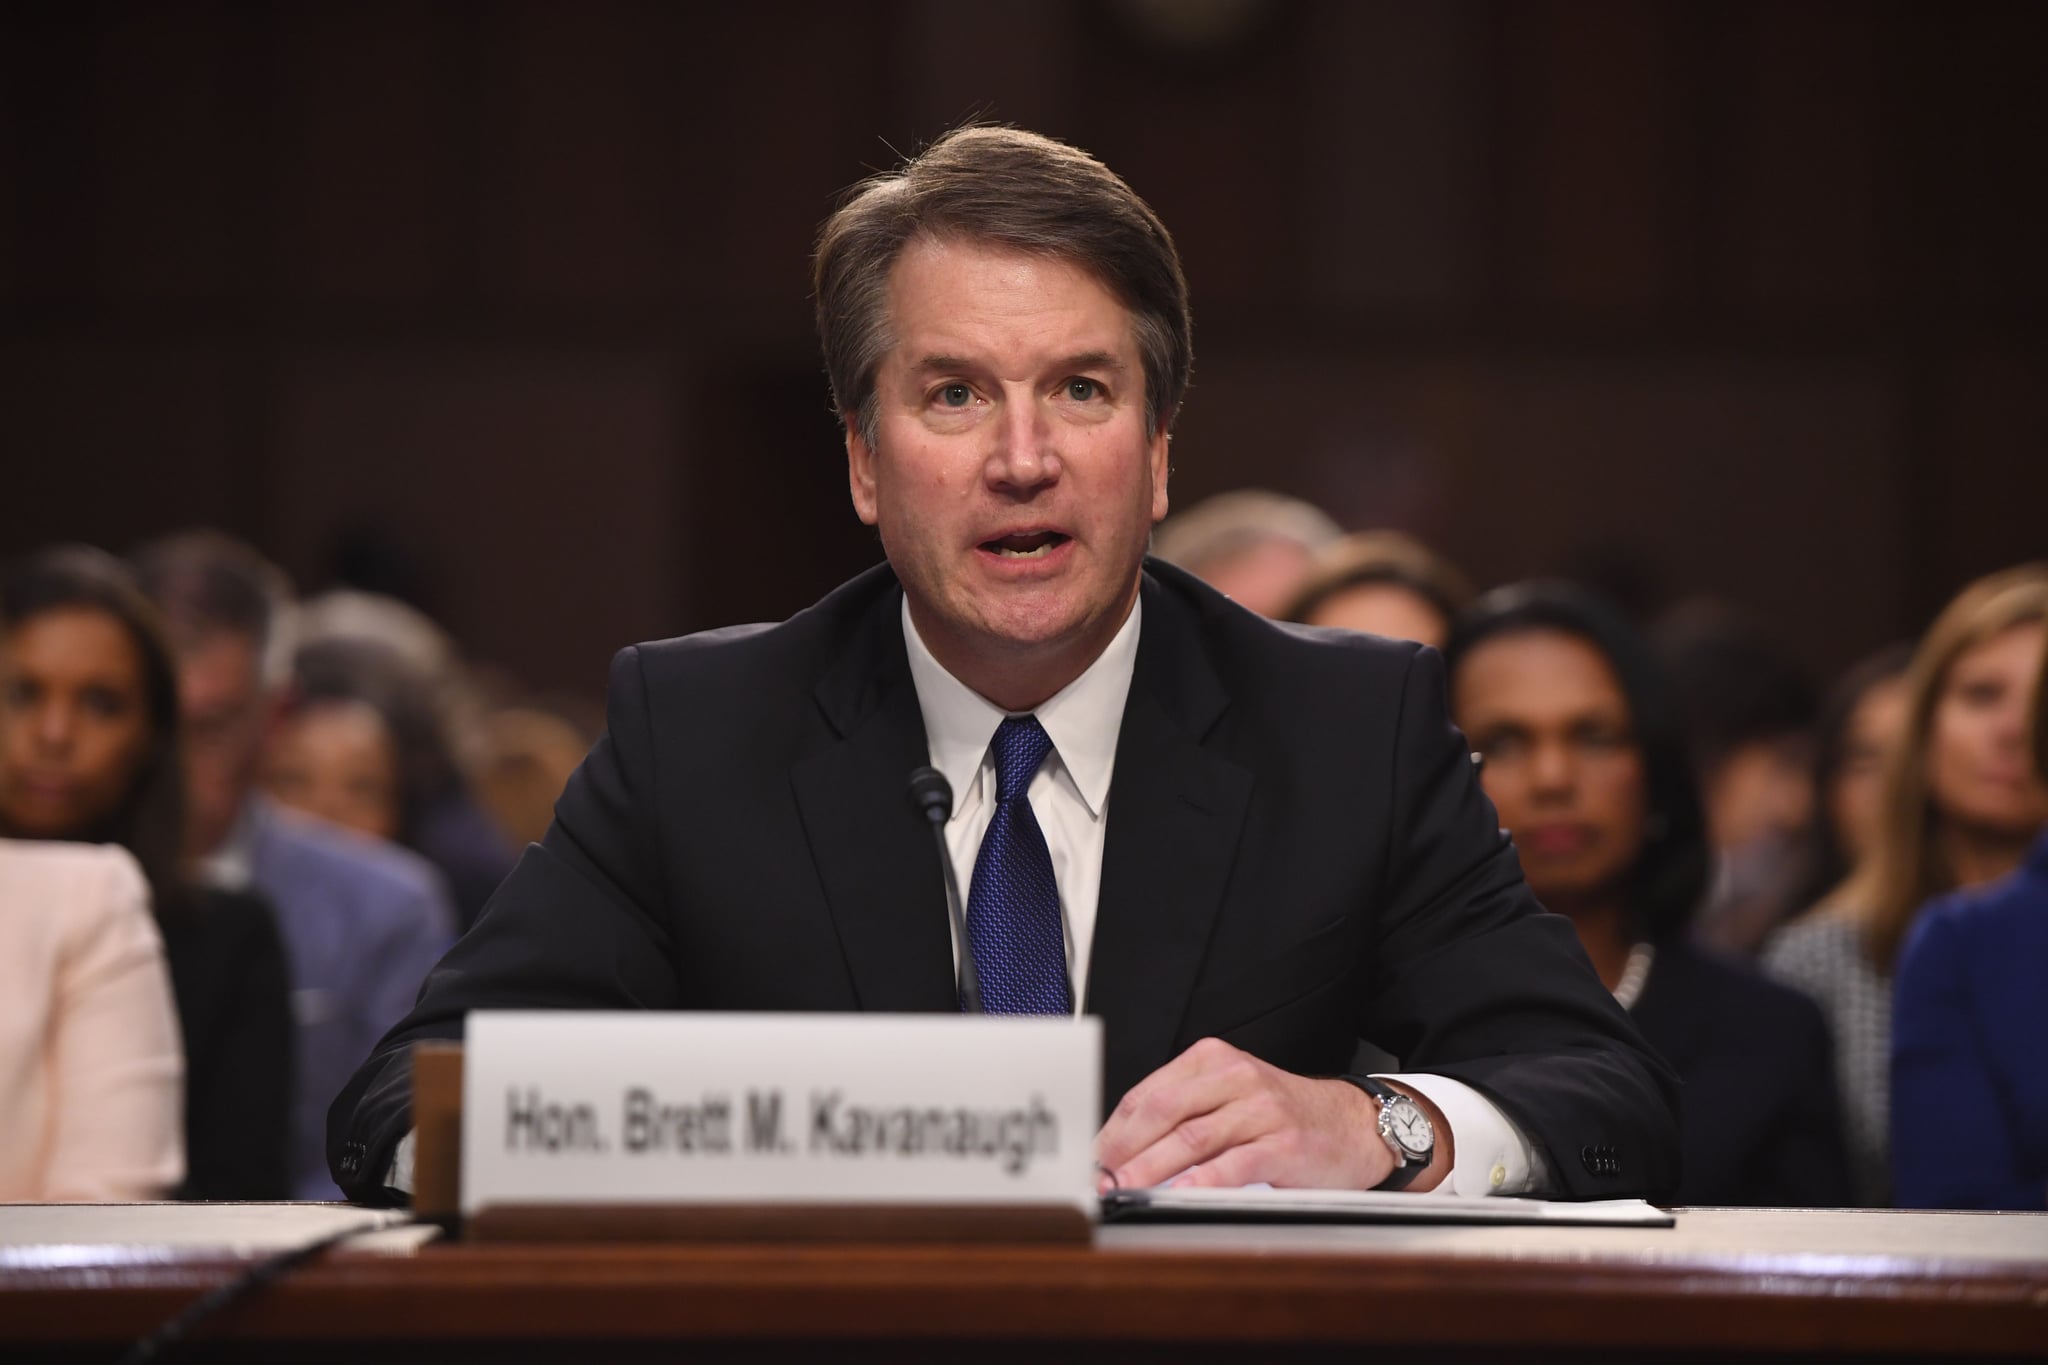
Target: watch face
x=1404 y=1122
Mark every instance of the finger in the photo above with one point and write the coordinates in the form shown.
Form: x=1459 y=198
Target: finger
x=1248 y=1163
x=1200 y=1080
x=1200 y=1139
x=1186 y=1145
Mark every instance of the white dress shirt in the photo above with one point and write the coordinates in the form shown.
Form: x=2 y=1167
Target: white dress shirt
x=1069 y=794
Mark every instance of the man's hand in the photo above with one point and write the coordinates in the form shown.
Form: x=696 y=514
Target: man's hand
x=1216 y=1115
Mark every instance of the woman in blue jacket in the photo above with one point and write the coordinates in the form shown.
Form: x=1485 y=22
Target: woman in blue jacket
x=1970 y=1017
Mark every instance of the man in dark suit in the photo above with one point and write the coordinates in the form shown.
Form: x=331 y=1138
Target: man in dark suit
x=1299 y=855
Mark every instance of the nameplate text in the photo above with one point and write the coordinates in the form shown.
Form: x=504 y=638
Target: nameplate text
x=655 y=1108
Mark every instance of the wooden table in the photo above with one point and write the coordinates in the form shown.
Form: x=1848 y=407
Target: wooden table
x=76 y=1283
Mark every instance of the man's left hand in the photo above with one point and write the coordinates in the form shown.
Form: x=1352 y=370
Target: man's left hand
x=1216 y=1115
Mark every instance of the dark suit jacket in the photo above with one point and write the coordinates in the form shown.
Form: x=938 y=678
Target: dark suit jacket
x=234 y=1012
x=1298 y=855
x=1763 y=1117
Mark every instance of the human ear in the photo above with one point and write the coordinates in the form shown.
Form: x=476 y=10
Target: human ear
x=860 y=471
x=1161 y=467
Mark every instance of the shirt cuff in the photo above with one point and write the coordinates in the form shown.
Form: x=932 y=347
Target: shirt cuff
x=1493 y=1156
x=399 y=1177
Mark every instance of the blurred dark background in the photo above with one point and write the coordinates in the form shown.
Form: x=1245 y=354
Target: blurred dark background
x=502 y=306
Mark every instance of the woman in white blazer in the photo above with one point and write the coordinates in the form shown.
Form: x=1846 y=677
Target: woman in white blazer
x=91 y=1075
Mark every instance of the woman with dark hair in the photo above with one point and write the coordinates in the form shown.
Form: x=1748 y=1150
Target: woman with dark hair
x=1859 y=726
x=80 y=641
x=1583 y=756
x=364 y=745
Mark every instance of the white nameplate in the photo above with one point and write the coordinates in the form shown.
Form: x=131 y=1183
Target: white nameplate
x=646 y=1108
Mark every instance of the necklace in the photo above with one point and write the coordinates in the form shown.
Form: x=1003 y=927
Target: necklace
x=1630 y=988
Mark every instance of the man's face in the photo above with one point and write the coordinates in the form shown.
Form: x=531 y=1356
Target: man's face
x=1014 y=477
x=227 y=713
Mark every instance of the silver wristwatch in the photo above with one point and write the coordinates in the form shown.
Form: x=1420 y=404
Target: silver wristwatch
x=1405 y=1129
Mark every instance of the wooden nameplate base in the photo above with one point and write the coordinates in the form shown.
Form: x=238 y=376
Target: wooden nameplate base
x=870 y=1223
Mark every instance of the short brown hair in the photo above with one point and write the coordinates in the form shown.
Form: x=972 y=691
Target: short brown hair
x=1008 y=188
x=1389 y=557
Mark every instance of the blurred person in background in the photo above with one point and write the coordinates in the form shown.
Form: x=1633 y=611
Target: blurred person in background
x=1860 y=723
x=91 y=1075
x=363 y=745
x=1252 y=546
x=1383 y=583
x=1584 y=758
x=434 y=664
x=437 y=708
x=1970 y=1017
x=524 y=756
x=89 y=751
x=1957 y=810
x=362 y=920
x=336 y=759
x=1748 y=713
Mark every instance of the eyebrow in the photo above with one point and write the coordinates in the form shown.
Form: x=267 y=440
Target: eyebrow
x=1084 y=360
x=1092 y=360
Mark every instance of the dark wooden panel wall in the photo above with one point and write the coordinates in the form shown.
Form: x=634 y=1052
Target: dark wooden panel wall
x=1749 y=296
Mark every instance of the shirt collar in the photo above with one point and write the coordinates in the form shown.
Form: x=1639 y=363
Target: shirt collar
x=1082 y=719
x=231 y=867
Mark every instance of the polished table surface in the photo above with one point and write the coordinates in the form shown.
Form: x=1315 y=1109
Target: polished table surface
x=1845 y=1284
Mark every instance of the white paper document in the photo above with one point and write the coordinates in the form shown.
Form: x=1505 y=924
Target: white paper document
x=48 y=1236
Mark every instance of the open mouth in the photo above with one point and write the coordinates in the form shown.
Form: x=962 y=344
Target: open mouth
x=1025 y=544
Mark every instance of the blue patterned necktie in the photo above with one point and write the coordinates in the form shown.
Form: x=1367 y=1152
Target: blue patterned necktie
x=1013 y=904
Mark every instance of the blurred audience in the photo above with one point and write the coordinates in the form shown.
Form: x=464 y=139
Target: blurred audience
x=524 y=756
x=1970 y=1014
x=1583 y=754
x=363 y=920
x=1257 y=547
x=1383 y=583
x=90 y=1067
x=1749 y=714
x=364 y=744
x=1957 y=810
x=1860 y=724
x=178 y=1010
x=336 y=759
x=433 y=663
x=89 y=751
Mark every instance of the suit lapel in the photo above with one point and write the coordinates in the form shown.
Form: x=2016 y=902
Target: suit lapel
x=875 y=857
x=1175 y=813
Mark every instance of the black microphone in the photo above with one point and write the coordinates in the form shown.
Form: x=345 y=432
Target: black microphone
x=931 y=795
